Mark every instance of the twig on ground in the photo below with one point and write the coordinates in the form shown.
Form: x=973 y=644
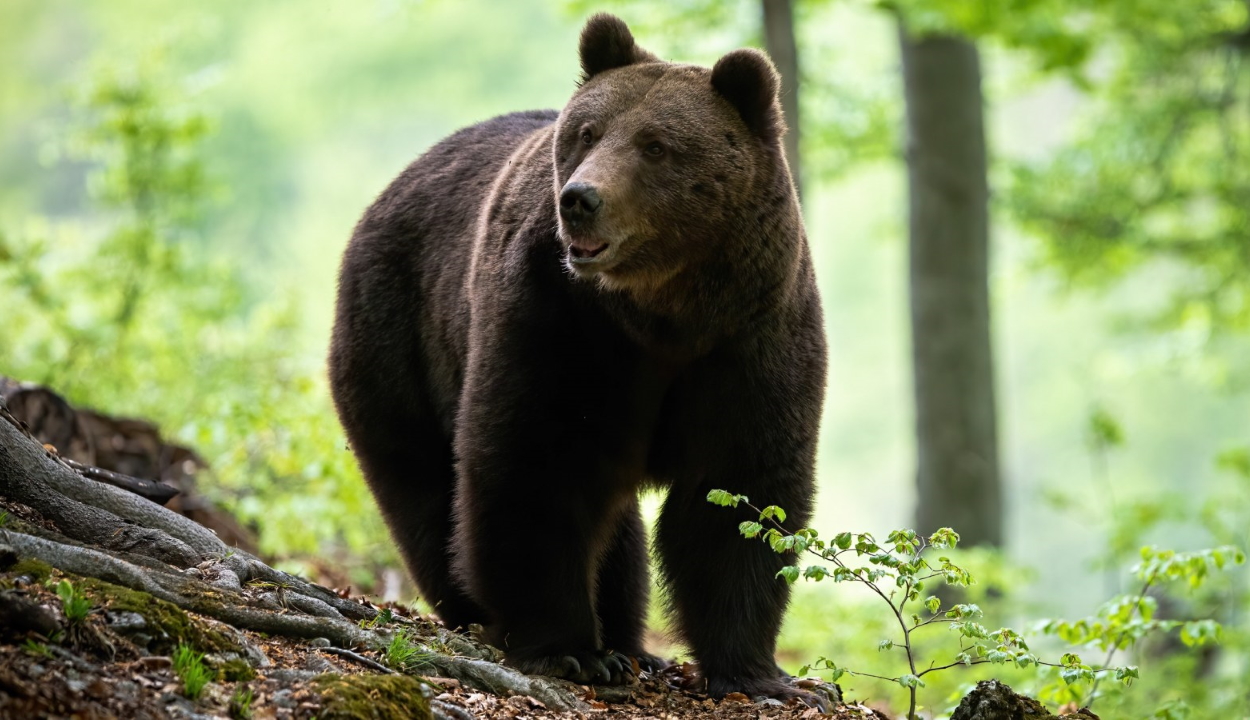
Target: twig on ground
x=358 y=658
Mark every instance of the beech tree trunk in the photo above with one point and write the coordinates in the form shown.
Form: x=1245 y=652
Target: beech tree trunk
x=781 y=47
x=957 y=474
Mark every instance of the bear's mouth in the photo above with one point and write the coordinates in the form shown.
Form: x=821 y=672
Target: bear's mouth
x=585 y=251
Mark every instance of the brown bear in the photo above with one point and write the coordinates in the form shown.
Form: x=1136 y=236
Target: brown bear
x=547 y=312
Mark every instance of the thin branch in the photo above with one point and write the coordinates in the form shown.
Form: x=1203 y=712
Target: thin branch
x=358 y=658
x=158 y=493
x=1115 y=645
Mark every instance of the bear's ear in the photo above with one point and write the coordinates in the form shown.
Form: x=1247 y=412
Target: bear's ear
x=748 y=80
x=606 y=44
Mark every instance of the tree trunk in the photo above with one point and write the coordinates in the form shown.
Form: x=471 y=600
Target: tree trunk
x=779 y=41
x=957 y=476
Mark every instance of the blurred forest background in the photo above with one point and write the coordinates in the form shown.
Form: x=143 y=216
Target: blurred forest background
x=178 y=181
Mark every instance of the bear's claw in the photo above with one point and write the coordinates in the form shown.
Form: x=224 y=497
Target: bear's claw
x=585 y=668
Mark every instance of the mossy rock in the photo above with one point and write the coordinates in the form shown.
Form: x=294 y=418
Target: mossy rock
x=168 y=624
x=375 y=697
x=37 y=570
x=234 y=670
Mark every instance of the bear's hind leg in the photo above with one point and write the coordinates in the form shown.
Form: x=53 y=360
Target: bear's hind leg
x=413 y=484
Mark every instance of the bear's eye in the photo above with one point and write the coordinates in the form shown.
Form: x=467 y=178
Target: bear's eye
x=588 y=138
x=654 y=149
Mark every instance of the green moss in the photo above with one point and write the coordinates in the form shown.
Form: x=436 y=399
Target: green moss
x=235 y=670
x=168 y=624
x=32 y=568
x=376 y=697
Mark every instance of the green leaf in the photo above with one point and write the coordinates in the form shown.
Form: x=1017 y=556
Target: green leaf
x=780 y=543
x=816 y=572
x=933 y=603
x=725 y=499
x=772 y=512
x=910 y=681
x=944 y=539
x=789 y=572
x=1201 y=632
x=750 y=529
x=1103 y=430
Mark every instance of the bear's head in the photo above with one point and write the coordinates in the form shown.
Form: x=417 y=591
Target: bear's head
x=661 y=166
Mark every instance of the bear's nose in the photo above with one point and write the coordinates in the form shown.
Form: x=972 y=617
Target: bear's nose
x=579 y=202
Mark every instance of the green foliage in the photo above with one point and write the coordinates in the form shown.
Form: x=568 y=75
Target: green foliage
x=1160 y=176
x=74 y=604
x=402 y=653
x=134 y=316
x=241 y=703
x=36 y=649
x=1202 y=681
x=190 y=668
x=1104 y=431
x=902 y=568
x=382 y=619
x=1125 y=621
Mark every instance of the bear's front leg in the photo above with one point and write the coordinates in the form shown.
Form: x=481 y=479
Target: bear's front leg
x=527 y=553
x=745 y=420
x=550 y=455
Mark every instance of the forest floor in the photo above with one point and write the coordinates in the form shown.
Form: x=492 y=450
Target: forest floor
x=117 y=659
x=118 y=656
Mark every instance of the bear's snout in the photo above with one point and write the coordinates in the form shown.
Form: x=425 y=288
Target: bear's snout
x=579 y=202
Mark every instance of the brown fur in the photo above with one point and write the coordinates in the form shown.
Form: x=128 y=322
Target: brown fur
x=545 y=312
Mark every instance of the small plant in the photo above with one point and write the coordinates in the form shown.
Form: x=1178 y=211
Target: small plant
x=900 y=570
x=384 y=617
x=241 y=703
x=36 y=649
x=190 y=668
x=74 y=604
x=402 y=654
x=1125 y=620
x=4 y=518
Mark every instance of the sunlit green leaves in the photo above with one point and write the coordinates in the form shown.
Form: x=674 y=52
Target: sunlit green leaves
x=1160 y=173
x=897 y=571
x=725 y=499
x=1104 y=430
x=138 y=318
x=1201 y=632
x=1192 y=567
x=750 y=529
x=910 y=681
x=772 y=512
